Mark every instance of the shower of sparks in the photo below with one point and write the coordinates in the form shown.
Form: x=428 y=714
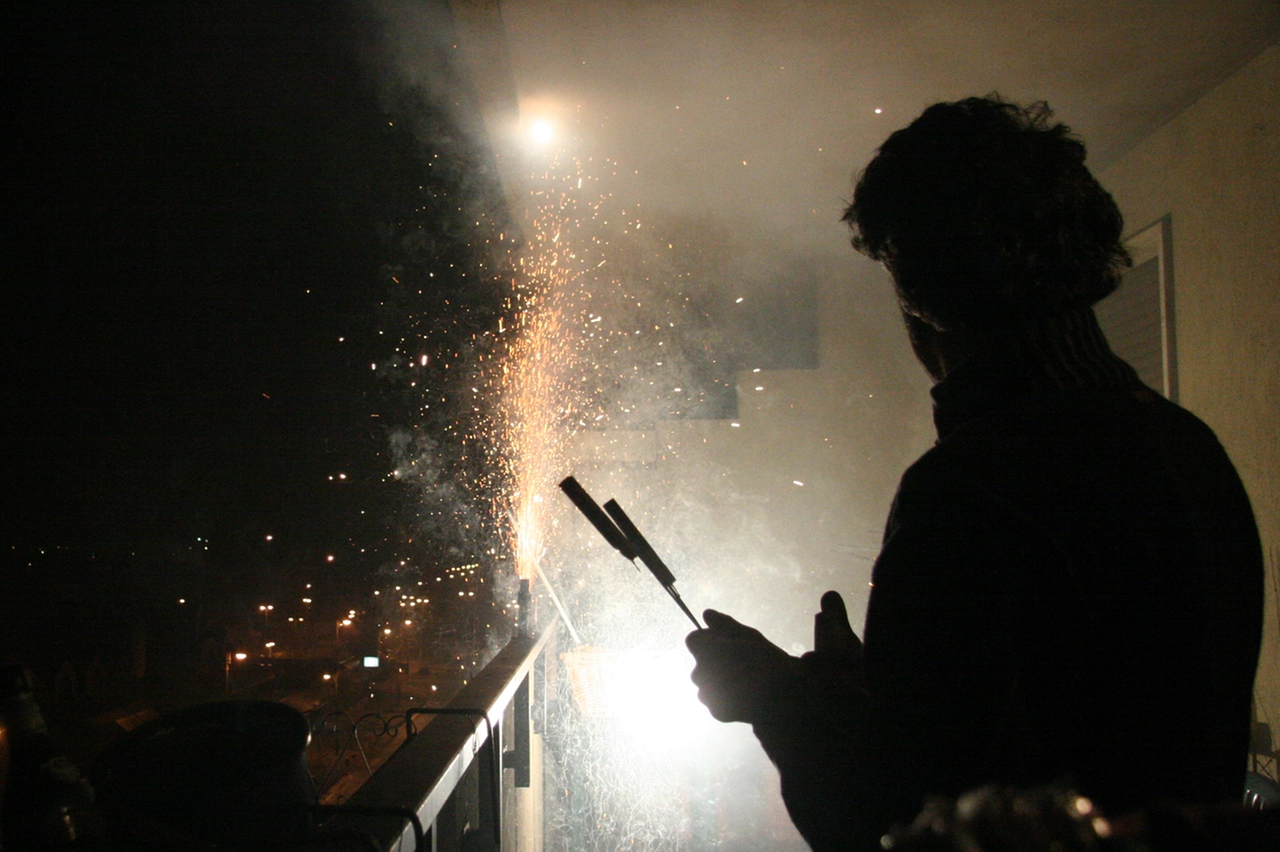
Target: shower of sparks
x=538 y=407
x=550 y=383
x=606 y=335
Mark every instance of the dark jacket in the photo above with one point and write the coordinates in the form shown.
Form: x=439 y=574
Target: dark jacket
x=1070 y=589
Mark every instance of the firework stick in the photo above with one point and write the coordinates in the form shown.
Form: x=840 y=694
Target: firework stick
x=551 y=590
x=597 y=517
x=648 y=556
x=555 y=599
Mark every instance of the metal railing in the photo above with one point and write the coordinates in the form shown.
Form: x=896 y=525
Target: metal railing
x=449 y=772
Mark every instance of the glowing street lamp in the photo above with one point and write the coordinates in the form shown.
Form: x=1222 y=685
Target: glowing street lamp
x=265 y=609
x=346 y=622
x=239 y=656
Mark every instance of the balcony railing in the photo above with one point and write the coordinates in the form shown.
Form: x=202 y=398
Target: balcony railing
x=446 y=785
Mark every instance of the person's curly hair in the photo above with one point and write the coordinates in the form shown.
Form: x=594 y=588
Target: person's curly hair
x=987 y=217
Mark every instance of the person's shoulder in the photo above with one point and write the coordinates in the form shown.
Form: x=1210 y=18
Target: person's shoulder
x=1076 y=417
x=1061 y=435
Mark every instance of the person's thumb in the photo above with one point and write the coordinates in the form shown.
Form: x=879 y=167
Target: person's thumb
x=832 y=634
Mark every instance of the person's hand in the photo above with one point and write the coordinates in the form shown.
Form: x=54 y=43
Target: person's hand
x=741 y=676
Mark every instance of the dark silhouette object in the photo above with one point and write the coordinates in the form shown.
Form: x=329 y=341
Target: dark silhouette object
x=230 y=773
x=1070 y=585
x=994 y=819
x=1260 y=792
x=987 y=217
x=1262 y=755
x=44 y=793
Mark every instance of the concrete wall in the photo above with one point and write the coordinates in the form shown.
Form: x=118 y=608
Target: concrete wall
x=1215 y=169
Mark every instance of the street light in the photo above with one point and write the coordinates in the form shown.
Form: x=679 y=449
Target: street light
x=346 y=622
x=270 y=645
x=265 y=609
x=240 y=656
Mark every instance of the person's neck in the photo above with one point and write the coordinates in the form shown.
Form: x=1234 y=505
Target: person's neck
x=1063 y=352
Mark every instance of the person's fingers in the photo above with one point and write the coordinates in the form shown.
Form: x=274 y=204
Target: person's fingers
x=719 y=712
x=833 y=605
x=718 y=620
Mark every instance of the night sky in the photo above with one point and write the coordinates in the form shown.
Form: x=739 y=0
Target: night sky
x=203 y=199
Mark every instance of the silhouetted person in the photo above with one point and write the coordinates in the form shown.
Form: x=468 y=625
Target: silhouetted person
x=1070 y=584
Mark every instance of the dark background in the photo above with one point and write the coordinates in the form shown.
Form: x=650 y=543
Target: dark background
x=201 y=200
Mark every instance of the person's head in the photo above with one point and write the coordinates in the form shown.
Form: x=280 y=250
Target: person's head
x=987 y=219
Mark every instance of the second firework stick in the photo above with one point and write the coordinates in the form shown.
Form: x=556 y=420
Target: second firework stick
x=620 y=532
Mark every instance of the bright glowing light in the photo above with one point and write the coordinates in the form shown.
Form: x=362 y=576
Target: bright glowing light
x=649 y=692
x=241 y=655
x=541 y=132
